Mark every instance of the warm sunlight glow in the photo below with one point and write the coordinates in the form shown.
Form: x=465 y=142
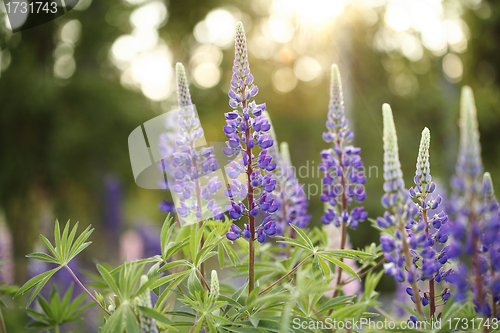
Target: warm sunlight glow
x=311 y=13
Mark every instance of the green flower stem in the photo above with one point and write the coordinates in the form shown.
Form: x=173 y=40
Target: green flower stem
x=432 y=301
x=380 y=262
x=286 y=275
x=339 y=284
x=406 y=251
x=251 y=220
x=85 y=289
x=204 y=281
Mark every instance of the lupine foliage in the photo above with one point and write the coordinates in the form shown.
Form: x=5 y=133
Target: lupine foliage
x=171 y=292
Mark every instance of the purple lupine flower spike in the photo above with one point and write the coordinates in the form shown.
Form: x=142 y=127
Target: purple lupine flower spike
x=474 y=217
x=399 y=214
x=290 y=198
x=344 y=176
x=187 y=164
x=428 y=236
x=247 y=131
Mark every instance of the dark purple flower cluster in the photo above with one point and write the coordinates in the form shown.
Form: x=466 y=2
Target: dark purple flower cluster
x=342 y=166
x=246 y=129
x=427 y=236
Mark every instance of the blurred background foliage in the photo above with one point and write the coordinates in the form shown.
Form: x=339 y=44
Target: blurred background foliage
x=72 y=90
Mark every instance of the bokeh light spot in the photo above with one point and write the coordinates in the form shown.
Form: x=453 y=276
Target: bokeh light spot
x=307 y=69
x=284 y=80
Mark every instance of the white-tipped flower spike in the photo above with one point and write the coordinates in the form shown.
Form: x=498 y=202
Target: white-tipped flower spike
x=471 y=221
x=342 y=166
x=423 y=166
x=214 y=286
x=183 y=94
x=469 y=162
x=399 y=211
x=285 y=153
x=146 y=323
x=488 y=191
x=394 y=185
x=337 y=122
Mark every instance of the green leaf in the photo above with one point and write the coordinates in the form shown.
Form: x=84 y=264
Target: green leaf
x=181 y=314
x=42 y=257
x=49 y=246
x=64 y=241
x=37 y=280
x=192 y=242
x=254 y=321
x=304 y=237
x=130 y=321
x=151 y=313
x=335 y=302
x=292 y=242
x=80 y=240
x=174 y=264
x=152 y=284
x=323 y=265
x=108 y=278
x=57 y=239
x=166 y=232
x=220 y=253
x=40 y=285
x=194 y=283
x=70 y=240
x=342 y=265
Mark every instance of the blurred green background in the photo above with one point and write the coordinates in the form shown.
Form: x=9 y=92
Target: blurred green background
x=72 y=90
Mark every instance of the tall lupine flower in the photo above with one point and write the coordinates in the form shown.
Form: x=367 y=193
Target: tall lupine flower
x=113 y=219
x=6 y=262
x=189 y=164
x=147 y=324
x=467 y=228
x=400 y=211
x=246 y=129
x=490 y=226
x=342 y=166
x=289 y=193
x=425 y=235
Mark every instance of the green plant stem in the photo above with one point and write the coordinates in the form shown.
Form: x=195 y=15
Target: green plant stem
x=406 y=251
x=85 y=289
x=432 y=301
x=287 y=274
x=251 y=220
x=339 y=284
x=56 y=328
x=199 y=210
x=204 y=281
x=283 y=206
x=2 y=324
x=380 y=262
x=493 y=305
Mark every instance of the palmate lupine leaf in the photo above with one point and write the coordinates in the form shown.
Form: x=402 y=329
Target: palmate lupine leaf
x=321 y=258
x=62 y=253
x=56 y=311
